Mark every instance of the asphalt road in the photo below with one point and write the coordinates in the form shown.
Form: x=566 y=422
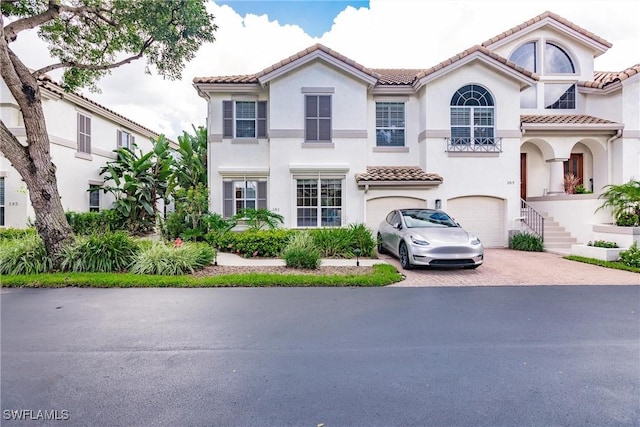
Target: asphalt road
x=489 y=356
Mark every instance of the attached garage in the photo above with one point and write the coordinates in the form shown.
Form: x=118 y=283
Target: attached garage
x=377 y=209
x=483 y=216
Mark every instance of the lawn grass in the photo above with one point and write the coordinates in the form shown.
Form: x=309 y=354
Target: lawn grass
x=609 y=264
x=383 y=274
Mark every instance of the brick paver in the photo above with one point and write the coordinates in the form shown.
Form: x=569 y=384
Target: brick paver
x=504 y=267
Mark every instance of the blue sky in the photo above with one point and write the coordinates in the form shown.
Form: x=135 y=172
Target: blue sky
x=314 y=17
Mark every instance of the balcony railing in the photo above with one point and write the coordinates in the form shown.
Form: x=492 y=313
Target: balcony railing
x=475 y=145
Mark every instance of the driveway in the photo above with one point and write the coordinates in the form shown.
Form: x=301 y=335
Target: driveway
x=505 y=267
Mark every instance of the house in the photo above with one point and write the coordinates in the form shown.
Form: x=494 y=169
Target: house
x=83 y=135
x=487 y=135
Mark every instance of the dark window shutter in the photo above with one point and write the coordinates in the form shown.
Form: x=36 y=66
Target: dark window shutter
x=262 y=119
x=262 y=194
x=88 y=130
x=119 y=137
x=132 y=141
x=80 y=131
x=227 y=119
x=227 y=196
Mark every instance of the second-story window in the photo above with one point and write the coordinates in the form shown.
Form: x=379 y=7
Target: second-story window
x=390 y=124
x=317 y=114
x=472 y=116
x=244 y=119
x=84 y=133
x=124 y=139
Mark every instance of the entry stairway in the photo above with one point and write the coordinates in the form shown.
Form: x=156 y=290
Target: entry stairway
x=556 y=238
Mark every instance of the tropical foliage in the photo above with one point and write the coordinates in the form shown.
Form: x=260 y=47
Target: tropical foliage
x=624 y=202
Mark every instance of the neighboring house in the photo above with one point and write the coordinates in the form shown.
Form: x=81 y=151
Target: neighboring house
x=325 y=141
x=83 y=135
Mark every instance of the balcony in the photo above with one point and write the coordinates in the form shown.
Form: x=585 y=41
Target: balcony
x=474 y=145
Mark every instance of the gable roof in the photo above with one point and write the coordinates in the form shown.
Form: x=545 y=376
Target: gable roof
x=548 y=17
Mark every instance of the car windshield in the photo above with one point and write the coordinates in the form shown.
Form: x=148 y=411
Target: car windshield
x=422 y=218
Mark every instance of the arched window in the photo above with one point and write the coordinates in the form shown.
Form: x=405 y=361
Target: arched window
x=525 y=56
x=557 y=61
x=472 y=116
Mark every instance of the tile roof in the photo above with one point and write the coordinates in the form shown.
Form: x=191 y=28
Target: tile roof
x=602 y=79
x=539 y=18
x=397 y=76
x=578 y=119
x=396 y=174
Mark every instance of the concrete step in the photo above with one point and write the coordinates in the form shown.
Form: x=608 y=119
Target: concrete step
x=567 y=240
x=557 y=245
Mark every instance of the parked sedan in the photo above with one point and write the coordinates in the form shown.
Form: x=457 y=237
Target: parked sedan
x=428 y=237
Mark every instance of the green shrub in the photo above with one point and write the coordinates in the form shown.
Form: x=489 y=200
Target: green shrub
x=526 y=242
x=86 y=223
x=24 y=254
x=580 y=189
x=342 y=242
x=16 y=233
x=631 y=257
x=602 y=244
x=251 y=243
x=627 y=219
x=99 y=253
x=170 y=260
x=301 y=252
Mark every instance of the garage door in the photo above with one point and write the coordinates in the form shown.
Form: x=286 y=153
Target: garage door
x=483 y=216
x=377 y=209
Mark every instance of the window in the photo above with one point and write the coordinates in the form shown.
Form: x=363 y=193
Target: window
x=472 y=116
x=94 y=198
x=125 y=139
x=244 y=119
x=559 y=96
x=390 y=124
x=243 y=194
x=2 y=201
x=317 y=113
x=319 y=202
x=556 y=61
x=84 y=133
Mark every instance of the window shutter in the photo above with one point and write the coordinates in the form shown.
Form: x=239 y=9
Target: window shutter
x=119 y=139
x=88 y=131
x=227 y=196
x=132 y=141
x=262 y=119
x=227 y=119
x=80 y=131
x=262 y=194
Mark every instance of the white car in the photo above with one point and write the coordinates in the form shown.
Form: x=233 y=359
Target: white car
x=428 y=237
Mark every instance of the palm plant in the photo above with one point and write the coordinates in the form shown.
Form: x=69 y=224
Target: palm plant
x=624 y=201
x=258 y=219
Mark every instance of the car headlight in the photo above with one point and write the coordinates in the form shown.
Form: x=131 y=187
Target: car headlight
x=418 y=241
x=474 y=240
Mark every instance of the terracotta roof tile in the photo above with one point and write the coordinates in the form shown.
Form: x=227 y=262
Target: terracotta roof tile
x=396 y=174
x=564 y=119
x=602 y=79
x=396 y=76
x=539 y=18
x=239 y=79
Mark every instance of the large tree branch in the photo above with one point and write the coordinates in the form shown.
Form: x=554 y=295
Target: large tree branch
x=11 y=147
x=68 y=64
x=55 y=8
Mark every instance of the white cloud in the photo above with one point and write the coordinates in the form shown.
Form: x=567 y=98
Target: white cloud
x=392 y=34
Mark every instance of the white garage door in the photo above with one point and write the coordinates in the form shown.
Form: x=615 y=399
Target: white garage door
x=377 y=209
x=483 y=216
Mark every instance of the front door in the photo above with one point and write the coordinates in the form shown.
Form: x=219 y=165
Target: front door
x=523 y=176
x=575 y=166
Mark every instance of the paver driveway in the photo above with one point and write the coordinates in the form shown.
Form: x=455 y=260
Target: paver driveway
x=504 y=267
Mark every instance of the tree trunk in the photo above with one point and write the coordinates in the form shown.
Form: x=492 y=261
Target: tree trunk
x=33 y=161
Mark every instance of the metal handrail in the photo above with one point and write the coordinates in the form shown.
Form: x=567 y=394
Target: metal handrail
x=468 y=144
x=532 y=218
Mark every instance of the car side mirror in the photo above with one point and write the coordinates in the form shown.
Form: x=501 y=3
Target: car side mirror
x=397 y=225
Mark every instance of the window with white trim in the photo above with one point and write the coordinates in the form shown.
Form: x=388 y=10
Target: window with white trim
x=84 y=133
x=244 y=119
x=2 y=201
x=317 y=114
x=124 y=139
x=319 y=202
x=390 y=124
x=94 y=198
x=472 y=116
x=243 y=194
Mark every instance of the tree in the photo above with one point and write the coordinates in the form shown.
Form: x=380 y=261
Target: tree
x=191 y=164
x=87 y=38
x=141 y=180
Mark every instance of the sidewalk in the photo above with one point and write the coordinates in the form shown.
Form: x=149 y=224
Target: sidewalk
x=225 y=258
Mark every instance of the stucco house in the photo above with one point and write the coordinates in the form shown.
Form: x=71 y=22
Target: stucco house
x=485 y=135
x=83 y=135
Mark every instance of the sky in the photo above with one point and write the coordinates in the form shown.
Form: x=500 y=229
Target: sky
x=253 y=35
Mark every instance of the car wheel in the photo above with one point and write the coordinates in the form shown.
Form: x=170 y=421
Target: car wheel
x=381 y=248
x=403 y=253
